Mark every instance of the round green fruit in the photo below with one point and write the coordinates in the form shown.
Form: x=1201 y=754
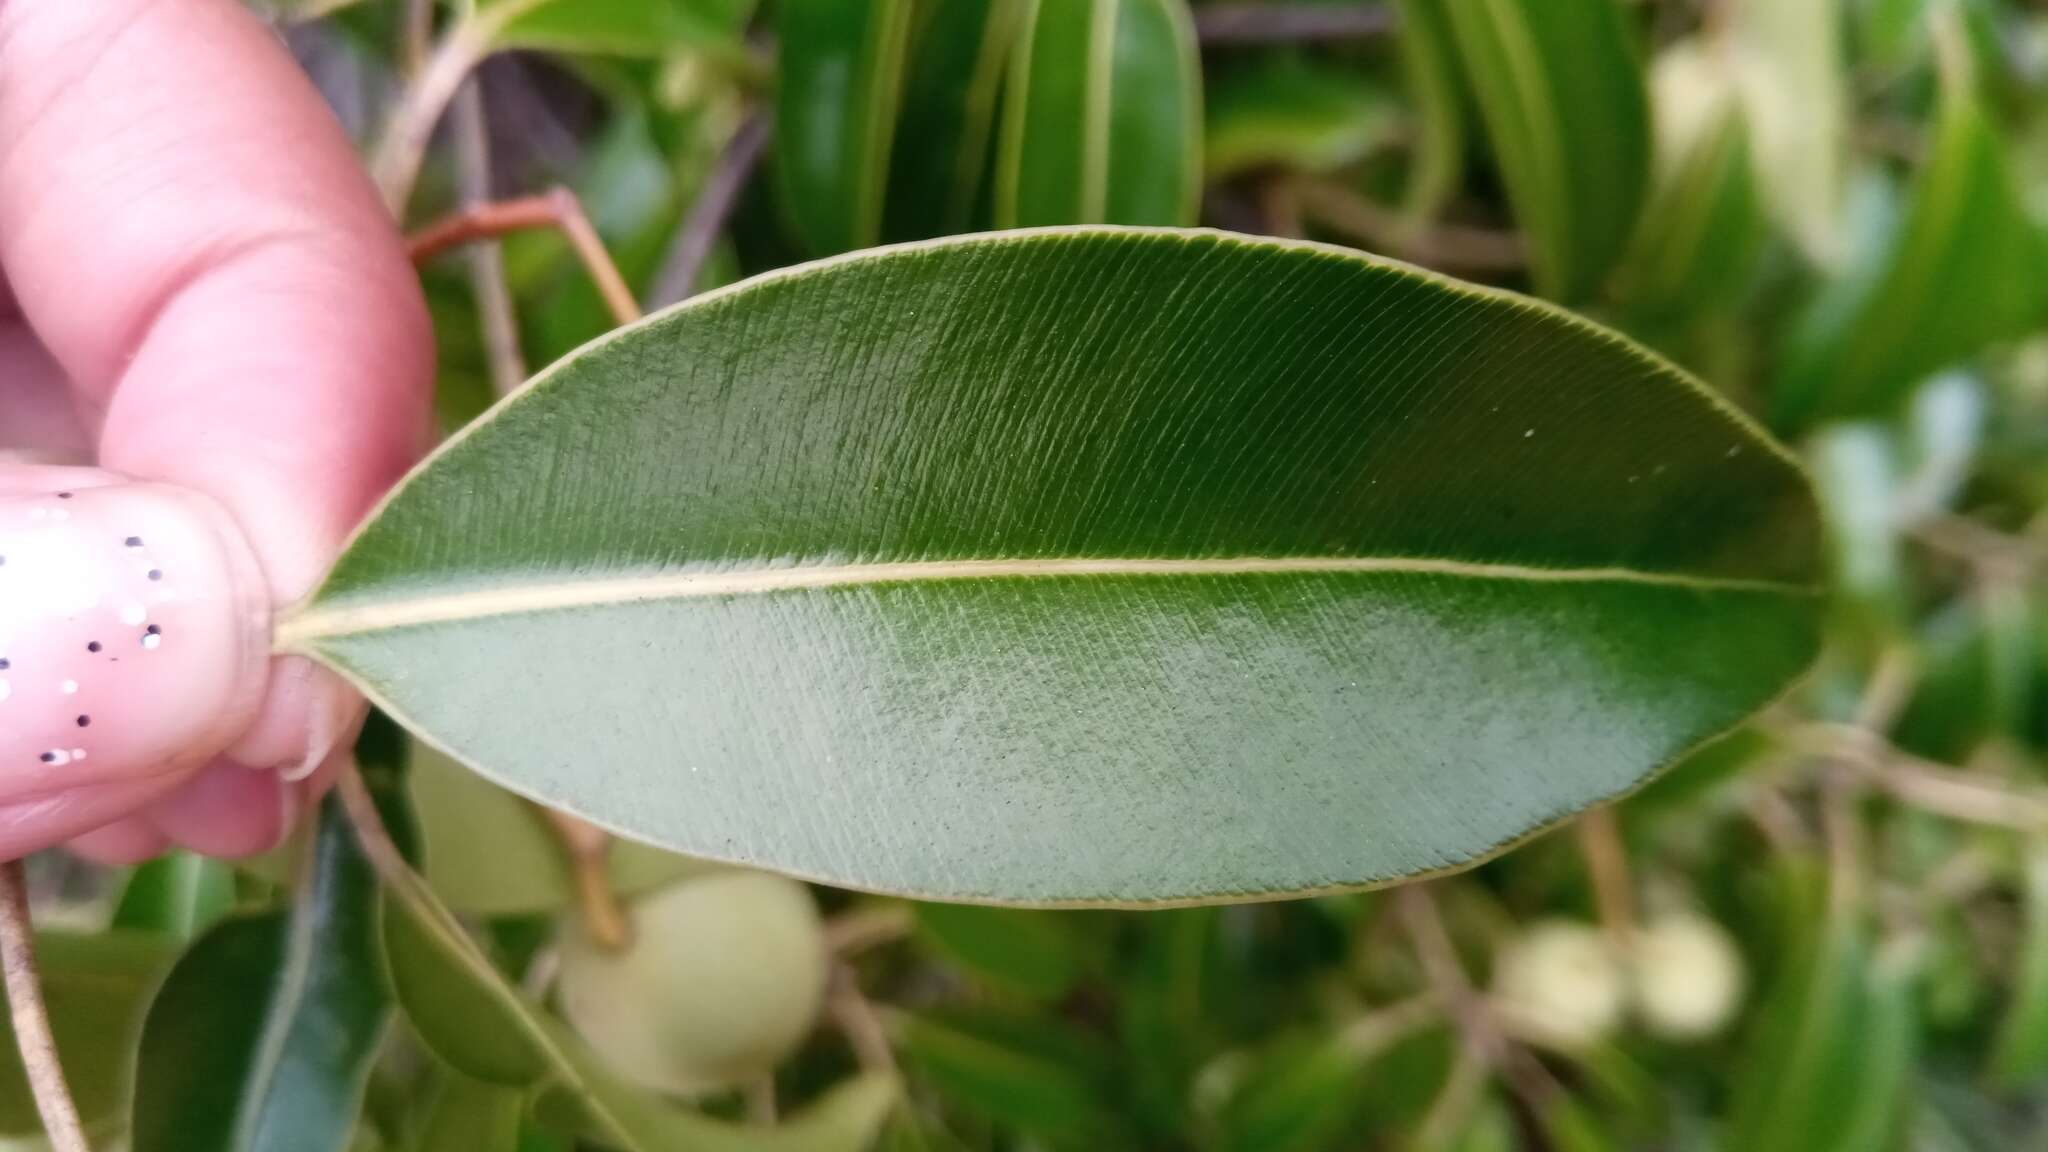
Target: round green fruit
x=722 y=981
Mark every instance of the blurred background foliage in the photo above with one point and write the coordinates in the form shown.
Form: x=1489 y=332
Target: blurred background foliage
x=1826 y=932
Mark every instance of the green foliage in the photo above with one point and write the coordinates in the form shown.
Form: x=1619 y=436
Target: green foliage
x=1123 y=566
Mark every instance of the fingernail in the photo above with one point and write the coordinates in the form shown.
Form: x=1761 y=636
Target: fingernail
x=134 y=629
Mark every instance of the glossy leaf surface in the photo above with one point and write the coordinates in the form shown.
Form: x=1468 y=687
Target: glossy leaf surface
x=1561 y=93
x=263 y=1033
x=1102 y=116
x=1097 y=566
x=841 y=65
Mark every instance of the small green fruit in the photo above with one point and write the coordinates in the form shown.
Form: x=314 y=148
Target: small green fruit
x=722 y=981
x=1561 y=980
x=1687 y=977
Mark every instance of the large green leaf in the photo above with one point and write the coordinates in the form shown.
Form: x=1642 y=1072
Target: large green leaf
x=1102 y=118
x=939 y=171
x=97 y=988
x=263 y=1033
x=835 y=116
x=1086 y=566
x=1965 y=269
x=1561 y=92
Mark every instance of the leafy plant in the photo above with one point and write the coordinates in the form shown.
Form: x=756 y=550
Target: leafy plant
x=1546 y=754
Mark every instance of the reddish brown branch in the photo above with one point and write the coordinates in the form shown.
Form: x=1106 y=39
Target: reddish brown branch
x=558 y=209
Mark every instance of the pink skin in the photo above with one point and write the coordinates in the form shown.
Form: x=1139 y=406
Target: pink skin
x=198 y=289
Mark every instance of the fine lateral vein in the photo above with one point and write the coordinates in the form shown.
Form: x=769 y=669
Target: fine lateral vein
x=314 y=622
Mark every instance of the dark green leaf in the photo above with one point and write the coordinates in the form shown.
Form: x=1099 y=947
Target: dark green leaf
x=1562 y=96
x=1102 y=117
x=946 y=134
x=97 y=989
x=1086 y=566
x=1297 y=114
x=179 y=895
x=262 y=1036
x=835 y=116
x=1965 y=269
x=1033 y=954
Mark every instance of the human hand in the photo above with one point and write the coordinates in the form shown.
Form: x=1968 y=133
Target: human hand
x=200 y=289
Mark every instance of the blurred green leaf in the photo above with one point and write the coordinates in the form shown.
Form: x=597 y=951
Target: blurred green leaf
x=1702 y=229
x=841 y=85
x=1295 y=113
x=2020 y=1053
x=1437 y=96
x=1856 y=468
x=1562 y=96
x=489 y=853
x=1787 y=60
x=941 y=164
x=178 y=895
x=1404 y=475
x=262 y=1035
x=1305 y=1093
x=97 y=988
x=1033 y=954
x=1827 y=1063
x=627 y=27
x=1102 y=116
x=1965 y=269
x=1570 y=1126
x=1034 y=1074
x=473 y=1116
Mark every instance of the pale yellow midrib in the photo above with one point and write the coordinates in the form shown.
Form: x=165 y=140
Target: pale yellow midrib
x=298 y=629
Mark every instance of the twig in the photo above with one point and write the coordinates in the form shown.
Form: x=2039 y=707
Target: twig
x=585 y=849
x=31 y=1018
x=1480 y=1032
x=1460 y=1094
x=486 y=258
x=415 y=36
x=1447 y=246
x=857 y=1019
x=558 y=209
x=864 y=928
x=1291 y=23
x=1607 y=863
x=395 y=166
x=1382 y=1028
x=683 y=265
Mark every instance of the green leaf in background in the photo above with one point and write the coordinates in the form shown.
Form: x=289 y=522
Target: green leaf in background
x=1088 y=566
x=841 y=81
x=627 y=27
x=1032 y=954
x=1102 y=116
x=1702 y=229
x=1037 y=1074
x=945 y=137
x=488 y=852
x=1438 y=101
x=2021 y=1051
x=473 y=1116
x=1561 y=93
x=179 y=895
x=1294 y=113
x=1786 y=56
x=262 y=1036
x=97 y=988
x=1965 y=269
x=1825 y=1068
x=1856 y=467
